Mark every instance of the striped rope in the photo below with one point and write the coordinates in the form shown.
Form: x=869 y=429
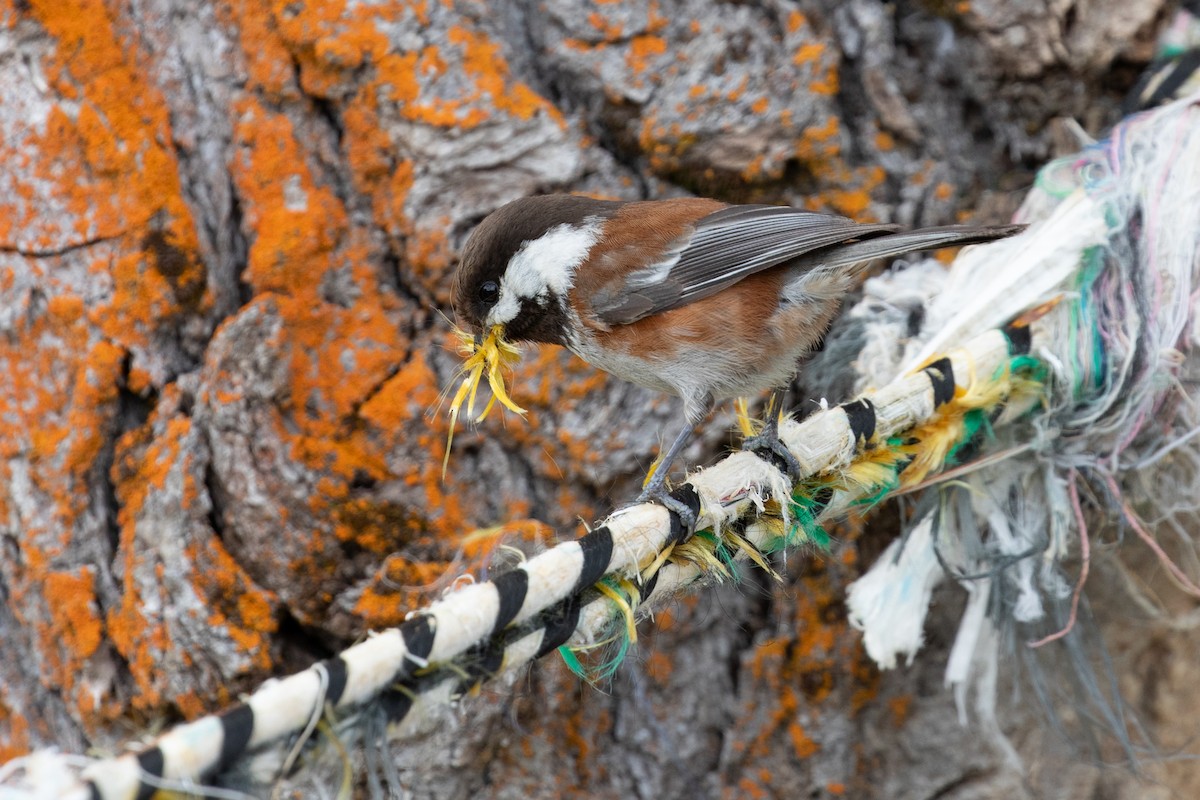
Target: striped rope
x=486 y=629
x=548 y=601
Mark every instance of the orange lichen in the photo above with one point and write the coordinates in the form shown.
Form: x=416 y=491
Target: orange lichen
x=399 y=586
x=376 y=527
x=114 y=147
x=429 y=253
x=814 y=137
x=298 y=222
x=803 y=746
x=331 y=40
x=826 y=85
x=191 y=705
x=658 y=667
x=99 y=168
x=75 y=618
x=483 y=62
x=407 y=394
x=900 y=707
x=140 y=639
x=580 y=46
x=237 y=608
x=580 y=733
x=656 y=22
x=852 y=203
x=342 y=412
x=755 y=169
x=747 y=787
x=845 y=189
x=335 y=355
x=738 y=91
x=609 y=31
x=810 y=51
x=816 y=671
x=14 y=734
x=643 y=50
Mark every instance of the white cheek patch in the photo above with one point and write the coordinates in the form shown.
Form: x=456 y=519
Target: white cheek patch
x=543 y=266
x=506 y=310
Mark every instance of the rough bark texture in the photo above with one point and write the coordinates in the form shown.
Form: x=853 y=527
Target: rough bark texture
x=225 y=235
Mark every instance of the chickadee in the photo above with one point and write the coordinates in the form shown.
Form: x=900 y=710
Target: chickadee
x=689 y=296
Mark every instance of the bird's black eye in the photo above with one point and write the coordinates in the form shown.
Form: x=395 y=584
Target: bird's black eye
x=489 y=293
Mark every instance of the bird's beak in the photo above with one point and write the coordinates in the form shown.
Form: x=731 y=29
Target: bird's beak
x=488 y=356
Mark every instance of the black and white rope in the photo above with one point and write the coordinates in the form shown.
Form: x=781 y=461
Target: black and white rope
x=492 y=627
x=544 y=603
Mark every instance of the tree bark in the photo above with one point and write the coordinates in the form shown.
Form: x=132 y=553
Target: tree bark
x=226 y=235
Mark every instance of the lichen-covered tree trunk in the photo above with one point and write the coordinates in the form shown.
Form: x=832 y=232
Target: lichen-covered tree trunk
x=226 y=231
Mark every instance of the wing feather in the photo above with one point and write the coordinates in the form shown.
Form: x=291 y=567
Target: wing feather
x=723 y=248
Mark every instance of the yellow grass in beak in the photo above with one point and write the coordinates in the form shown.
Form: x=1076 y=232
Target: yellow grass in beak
x=485 y=355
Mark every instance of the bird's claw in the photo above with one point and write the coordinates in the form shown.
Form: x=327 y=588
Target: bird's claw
x=768 y=446
x=656 y=492
x=686 y=515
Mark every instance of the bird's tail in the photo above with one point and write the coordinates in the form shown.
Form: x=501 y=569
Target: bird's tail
x=897 y=244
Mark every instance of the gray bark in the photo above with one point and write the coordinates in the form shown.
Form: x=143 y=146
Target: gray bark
x=225 y=260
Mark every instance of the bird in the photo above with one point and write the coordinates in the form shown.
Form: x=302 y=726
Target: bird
x=690 y=296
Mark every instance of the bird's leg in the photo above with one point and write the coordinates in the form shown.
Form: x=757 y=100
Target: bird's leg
x=655 y=489
x=767 y=443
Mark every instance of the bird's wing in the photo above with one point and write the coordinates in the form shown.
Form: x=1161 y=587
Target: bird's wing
x=737 y=241
x=723 y=248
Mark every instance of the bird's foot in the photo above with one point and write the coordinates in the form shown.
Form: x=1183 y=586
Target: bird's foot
x=769 y=447
x=655 y=491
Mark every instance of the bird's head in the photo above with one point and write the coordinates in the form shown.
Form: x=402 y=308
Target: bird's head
x=518 y=267
x=512 y=285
